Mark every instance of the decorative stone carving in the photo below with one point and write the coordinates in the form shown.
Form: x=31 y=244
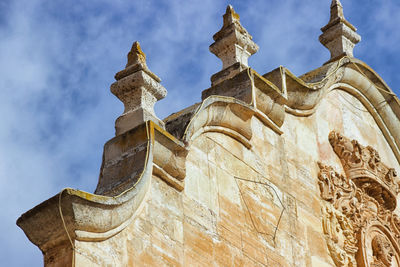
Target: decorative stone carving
x=139 y=89
x=382 y=252
x=365 y=168
x=339 y=35
x=358 y=221
x=338 y=226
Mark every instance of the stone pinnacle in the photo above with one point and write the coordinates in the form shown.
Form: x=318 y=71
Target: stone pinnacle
x=233 y=44
x=138 y=89
x=339 y=35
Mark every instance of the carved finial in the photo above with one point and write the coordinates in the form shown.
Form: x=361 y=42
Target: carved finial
x=233 y=43
x=139 y=89
x=339 y=35
x=136 y=55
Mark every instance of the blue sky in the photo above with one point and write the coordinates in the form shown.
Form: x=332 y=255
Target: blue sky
x=58 y=59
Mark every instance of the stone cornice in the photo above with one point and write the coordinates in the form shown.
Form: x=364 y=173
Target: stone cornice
x=300 y=96
x=305 y=93
x=279 y=92
x=255 y=90
x=226 y=115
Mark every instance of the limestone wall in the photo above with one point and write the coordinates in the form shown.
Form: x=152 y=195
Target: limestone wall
x=229 y=211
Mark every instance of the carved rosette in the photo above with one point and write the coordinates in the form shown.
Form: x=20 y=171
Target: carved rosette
x=358 y=221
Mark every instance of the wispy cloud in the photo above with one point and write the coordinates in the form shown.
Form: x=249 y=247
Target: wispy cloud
x=58 y=59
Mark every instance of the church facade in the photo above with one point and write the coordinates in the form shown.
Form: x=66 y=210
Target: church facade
x=267 y=170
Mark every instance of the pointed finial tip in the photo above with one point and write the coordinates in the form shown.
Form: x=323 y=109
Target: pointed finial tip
x=137 y=49
x=136 y=45
x=336 y=3
x=230 y=15
x=136 y=55
x=229 y=8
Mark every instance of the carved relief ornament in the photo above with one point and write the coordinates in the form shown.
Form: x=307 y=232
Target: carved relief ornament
x=358 y=221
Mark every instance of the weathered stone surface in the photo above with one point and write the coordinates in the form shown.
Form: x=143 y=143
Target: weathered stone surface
x=272 y=170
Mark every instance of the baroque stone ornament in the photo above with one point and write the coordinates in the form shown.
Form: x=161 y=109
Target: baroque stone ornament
x=382 y=251
x=358 y=221
x=364 y=167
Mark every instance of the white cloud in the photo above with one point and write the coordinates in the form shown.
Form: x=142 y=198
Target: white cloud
x=58 y=59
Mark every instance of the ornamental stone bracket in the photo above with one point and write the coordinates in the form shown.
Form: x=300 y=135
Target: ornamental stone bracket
x=358 y=221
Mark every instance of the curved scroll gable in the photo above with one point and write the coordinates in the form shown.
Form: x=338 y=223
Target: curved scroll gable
x=78 y=215
x=228 y=116
x=141 y=149
x=386 y=107
x=305 y=93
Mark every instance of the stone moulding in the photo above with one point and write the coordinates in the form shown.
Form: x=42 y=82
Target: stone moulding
x=226 y=115
x=169 y=159
x=253 y=89
x=305 y=93
x=93 y=217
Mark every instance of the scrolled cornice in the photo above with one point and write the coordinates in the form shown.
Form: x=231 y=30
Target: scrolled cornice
x=78 y=215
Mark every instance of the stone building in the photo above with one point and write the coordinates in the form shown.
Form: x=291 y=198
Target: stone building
x=268 y=170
